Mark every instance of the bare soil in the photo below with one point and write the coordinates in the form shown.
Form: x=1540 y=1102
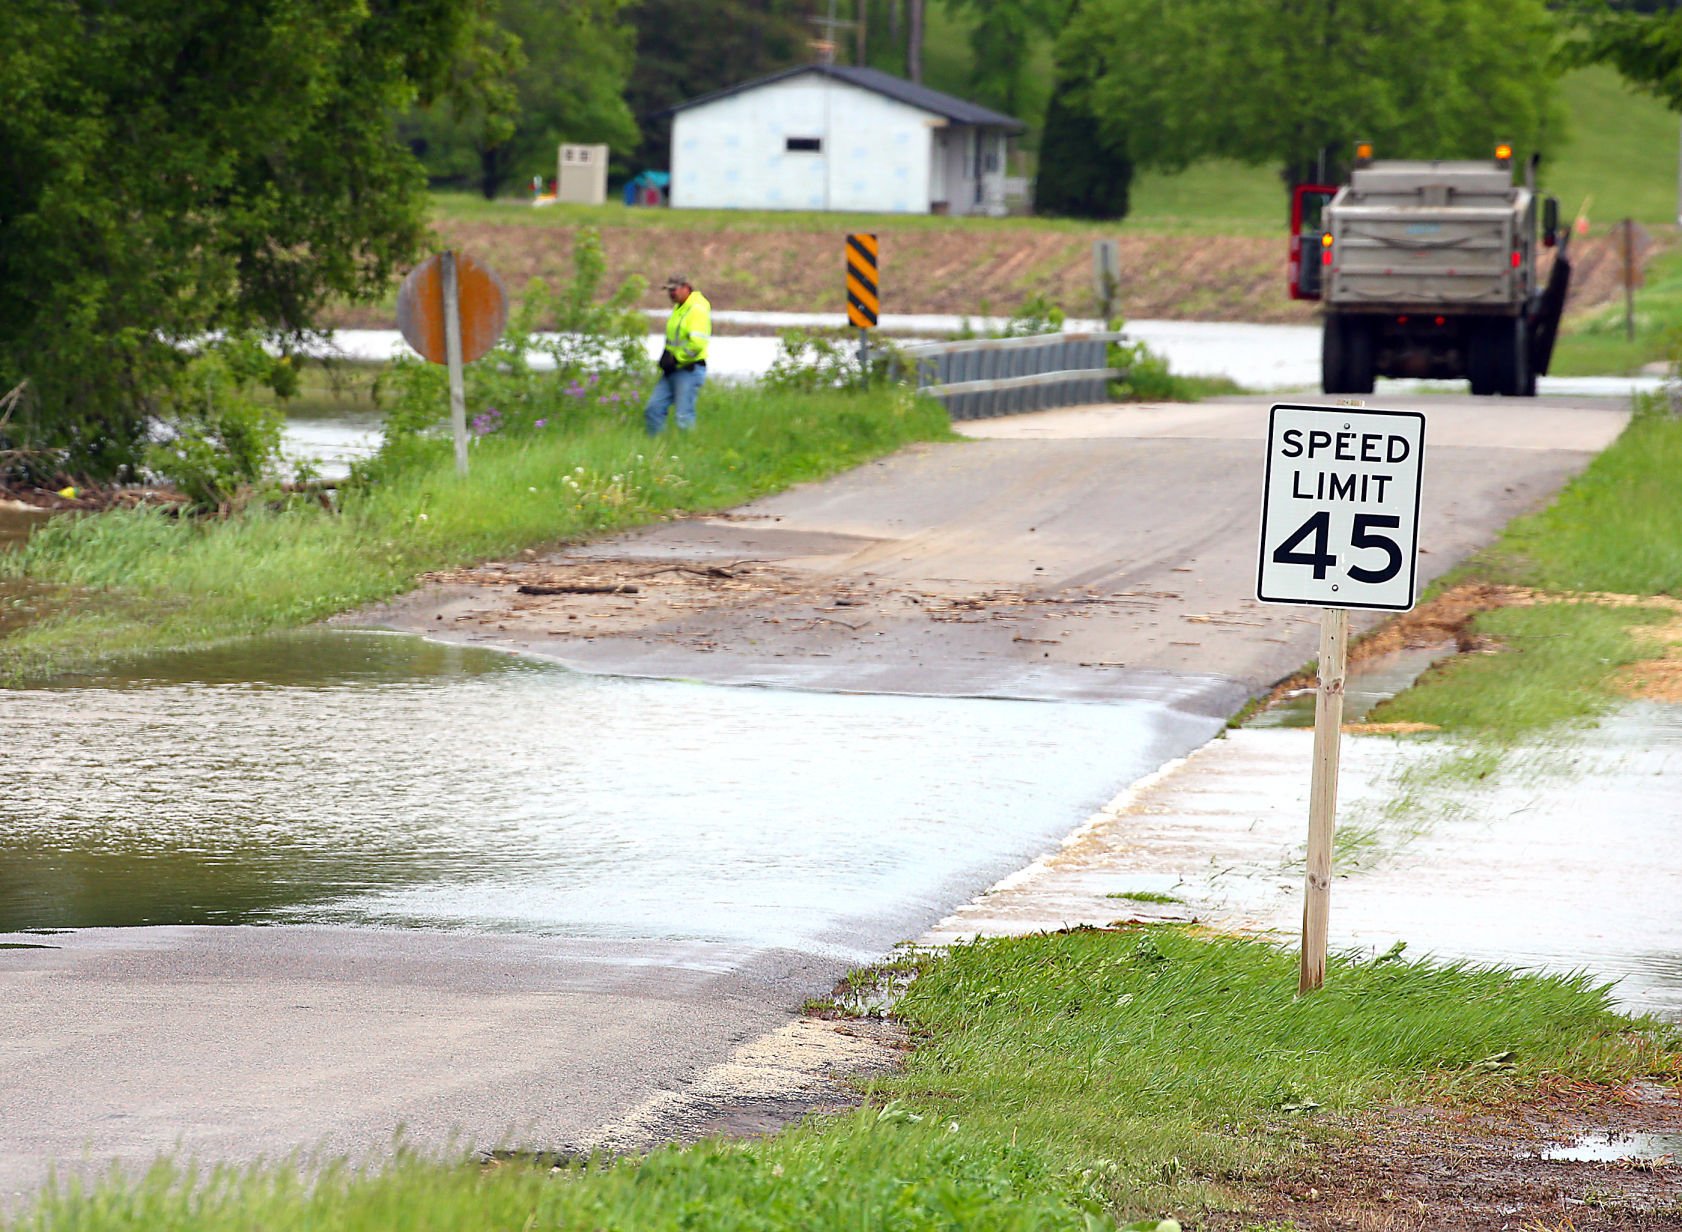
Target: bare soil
x=1481 y=1167
x=1450 y=616
x=926 y=270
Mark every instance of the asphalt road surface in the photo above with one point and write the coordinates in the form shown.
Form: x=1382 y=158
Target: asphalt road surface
x=1103 y=553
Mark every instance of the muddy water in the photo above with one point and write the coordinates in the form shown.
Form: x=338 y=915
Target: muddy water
x=1366 y=685
x=339 y=777
x=16 y=599
x=15 y=526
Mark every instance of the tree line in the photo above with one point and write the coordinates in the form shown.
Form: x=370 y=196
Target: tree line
x=178 y=178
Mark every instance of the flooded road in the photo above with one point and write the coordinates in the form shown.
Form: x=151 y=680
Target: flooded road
x=1568 y=858
x=1261 y=357
x=376 y=779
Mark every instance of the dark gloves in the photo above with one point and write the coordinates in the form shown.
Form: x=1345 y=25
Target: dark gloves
x=668 y=362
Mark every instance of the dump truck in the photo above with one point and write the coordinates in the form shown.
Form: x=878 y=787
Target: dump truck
x=1428 y=268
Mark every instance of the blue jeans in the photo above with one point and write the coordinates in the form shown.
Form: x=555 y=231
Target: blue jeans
x=682 y=387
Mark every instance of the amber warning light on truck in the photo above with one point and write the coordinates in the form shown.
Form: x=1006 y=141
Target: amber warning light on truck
x=1340 y=507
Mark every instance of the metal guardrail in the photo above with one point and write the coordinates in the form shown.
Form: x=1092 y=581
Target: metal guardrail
x=980 y=377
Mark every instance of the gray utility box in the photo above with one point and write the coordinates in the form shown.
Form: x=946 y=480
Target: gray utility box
x=582 y=174
x=1430 y=271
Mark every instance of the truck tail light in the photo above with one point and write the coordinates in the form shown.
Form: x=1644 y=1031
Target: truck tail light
x=1326 y=248
x=1515 y=258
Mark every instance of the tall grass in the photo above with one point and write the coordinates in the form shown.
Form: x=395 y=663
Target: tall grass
x=1064 y=1082
x=143 y=580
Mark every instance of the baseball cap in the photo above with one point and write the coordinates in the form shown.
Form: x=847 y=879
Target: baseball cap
x=676 y=280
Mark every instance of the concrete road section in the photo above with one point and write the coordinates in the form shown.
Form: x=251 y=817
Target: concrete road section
x=1097 y=554
x=1101 y=552
x=233 y=1044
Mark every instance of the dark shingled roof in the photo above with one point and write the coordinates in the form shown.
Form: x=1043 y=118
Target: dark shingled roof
x=878 y=82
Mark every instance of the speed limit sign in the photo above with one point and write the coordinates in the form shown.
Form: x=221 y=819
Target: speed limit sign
x=1340 y=508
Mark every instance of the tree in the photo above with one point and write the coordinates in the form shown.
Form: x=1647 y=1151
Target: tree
x=1296 y=82
x=686 y=49
x=575 y=58
x=1079 y=175
x=1645 y=45
x=170 y=168
x=1003 y=37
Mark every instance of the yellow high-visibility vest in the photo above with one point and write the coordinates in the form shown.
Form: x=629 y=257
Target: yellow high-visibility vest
x=690 y=328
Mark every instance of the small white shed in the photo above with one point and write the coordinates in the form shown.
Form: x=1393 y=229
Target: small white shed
x=835 y=137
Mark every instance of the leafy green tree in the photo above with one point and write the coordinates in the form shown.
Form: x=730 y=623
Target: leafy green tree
x=1080 y=176
x=685 y=50
x=1003 y=37
x=574 y=60
x=1643 y=42
x=1295 y=83
x=170 y=168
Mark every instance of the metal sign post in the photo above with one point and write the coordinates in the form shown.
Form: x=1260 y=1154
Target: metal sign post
x=1340 y=526
x=452 y=359
x=452 y=310
x=863 y=297
x=1106 y=277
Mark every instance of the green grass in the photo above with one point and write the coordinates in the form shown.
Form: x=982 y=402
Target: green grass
x=1552 y=667
x=130 y=582
x=1598 y=342
x=1620 y=150
x=1063 y=1082
x=1611 y=530
x=468 y=207
x=1144 y=896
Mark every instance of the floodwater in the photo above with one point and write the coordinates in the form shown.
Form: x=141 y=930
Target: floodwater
x=1614 y=1148
x=331 y=441
x=16 y=606
x=1259 y=357
x=376 y=779
x=16 y=524
x=1284 y=358
x=1365 y=686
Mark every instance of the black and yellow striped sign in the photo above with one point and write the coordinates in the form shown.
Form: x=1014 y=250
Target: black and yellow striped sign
x=862 y=297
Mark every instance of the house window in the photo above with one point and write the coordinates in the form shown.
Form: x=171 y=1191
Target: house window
x=805 y=145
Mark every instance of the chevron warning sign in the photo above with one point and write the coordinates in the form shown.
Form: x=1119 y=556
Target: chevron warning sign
x=862 y=296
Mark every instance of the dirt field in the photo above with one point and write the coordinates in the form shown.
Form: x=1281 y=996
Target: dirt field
x=984 y=272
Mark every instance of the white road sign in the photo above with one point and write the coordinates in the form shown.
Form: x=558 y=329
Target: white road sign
x=1340 y=508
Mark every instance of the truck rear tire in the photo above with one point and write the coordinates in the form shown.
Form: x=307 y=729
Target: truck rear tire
x=1513 y=377
x=1346 y=356
x=1482 y=344
x=1359 y=360
x=1331 y=355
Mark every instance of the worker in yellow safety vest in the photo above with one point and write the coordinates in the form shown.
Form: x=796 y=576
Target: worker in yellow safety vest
x=683 y=364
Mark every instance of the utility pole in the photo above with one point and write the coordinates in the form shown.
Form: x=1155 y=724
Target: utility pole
x=914 y=45
x=825 y=45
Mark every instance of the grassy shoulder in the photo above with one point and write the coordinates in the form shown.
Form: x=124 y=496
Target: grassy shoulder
x=1082 y=1081
x=1612 y=340
x=1582 y=600
x=124 y=583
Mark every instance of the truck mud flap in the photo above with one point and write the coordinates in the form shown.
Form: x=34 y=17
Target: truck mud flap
x=1544 y=317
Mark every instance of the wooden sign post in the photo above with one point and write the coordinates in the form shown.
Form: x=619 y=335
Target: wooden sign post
x=452 y=310
x=1322 y=796
x=1340 y=524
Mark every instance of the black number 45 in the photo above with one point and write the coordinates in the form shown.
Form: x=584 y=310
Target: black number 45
x=1320 y=558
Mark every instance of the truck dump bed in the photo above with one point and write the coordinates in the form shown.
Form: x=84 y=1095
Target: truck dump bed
x=1442 y=236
